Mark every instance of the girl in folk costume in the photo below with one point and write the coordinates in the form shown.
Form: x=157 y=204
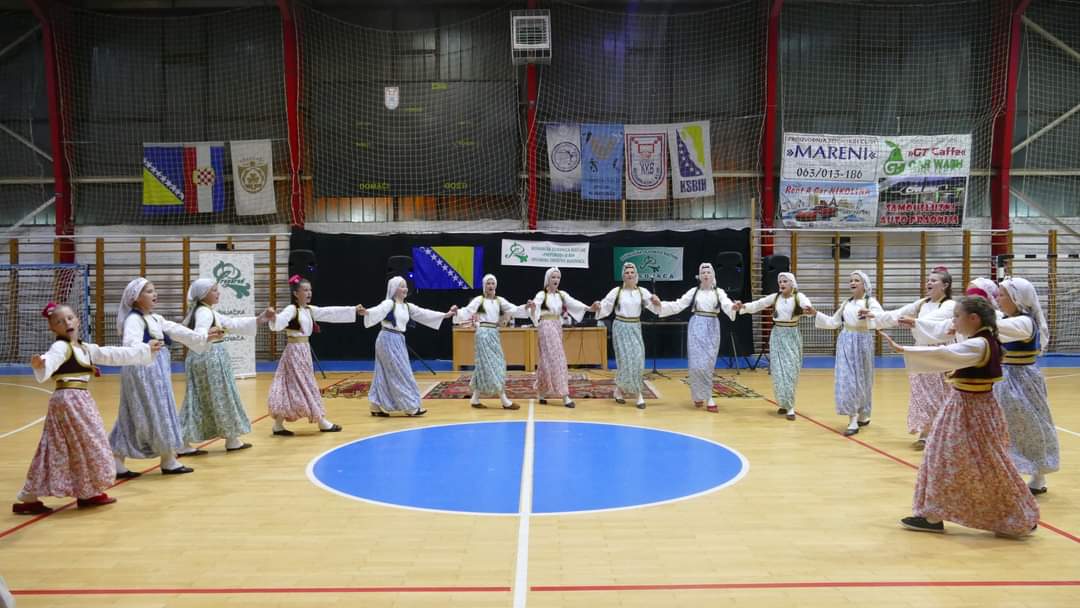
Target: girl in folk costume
x=854 y=351
x=706 y=302
x=147 y=424
x=966 y=475
x=785 y=341
x=73 y=457
x=486 y=311
x=547 y=311
x=1022 y=395
x=212 y=406
x=293 y=393
x=928 y=391
x=627 y=302
x=941 y=329
x=394 y=388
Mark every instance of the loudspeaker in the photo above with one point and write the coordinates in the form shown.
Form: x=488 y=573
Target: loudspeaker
x=730 y=273
x=771 y=267
x=401 y=266
x=844 y=246
x=302 y=262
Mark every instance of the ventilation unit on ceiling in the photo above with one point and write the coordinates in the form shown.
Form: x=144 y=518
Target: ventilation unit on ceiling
x=530 y=34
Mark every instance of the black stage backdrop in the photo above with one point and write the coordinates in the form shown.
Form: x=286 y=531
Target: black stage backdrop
x=351 y=269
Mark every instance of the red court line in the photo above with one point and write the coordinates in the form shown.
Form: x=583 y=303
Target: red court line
x=1042 y=523
x=56 y=510
x=802 y=585
x=248 y=590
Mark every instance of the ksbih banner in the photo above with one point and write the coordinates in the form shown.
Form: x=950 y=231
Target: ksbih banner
x=183 y=177
x=235 y=275
x=691 y=160
x=448 y=267
x=253 y=176
x=564 y=157
x=602 y=162
x=544 y=254
x=653 y=263
x=646 y=162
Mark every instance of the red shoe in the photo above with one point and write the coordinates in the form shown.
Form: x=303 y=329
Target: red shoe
x=30 y=508
x=96 y=501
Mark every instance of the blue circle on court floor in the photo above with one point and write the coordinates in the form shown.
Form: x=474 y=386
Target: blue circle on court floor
x=576 y=466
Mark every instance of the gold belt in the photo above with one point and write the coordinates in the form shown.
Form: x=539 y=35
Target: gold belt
x=548 y=316
x=702 y=313
x=489 y=325
x=790 y=323
x=80 y=385
x=393 y=331
x=628 y=319
x=297 y=339
x=974 y=385
x=856 y=328
x=1019 y=357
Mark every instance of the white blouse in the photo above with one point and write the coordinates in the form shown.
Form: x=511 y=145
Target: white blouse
x=706 y=300
x=554 y=305
x=945 y=357
x=847 y=316
x=489 y=310
x=159 y=327
x=928 y=311
x=630 y=303
x=206 y=317
x=783 y=308
x=1015 y=329
x=403 y=312
x=311 y=314
x=91 y=354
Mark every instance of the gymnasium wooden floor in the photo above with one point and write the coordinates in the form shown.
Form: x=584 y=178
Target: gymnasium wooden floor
x=813 y=522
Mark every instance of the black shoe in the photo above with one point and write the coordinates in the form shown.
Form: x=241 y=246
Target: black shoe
x=641 y=405
x=542 y=401
x=620 y=400
x=177 y=471
x=284 y=433
x=1035 y=491
x=419 y=412
x=380 y=414
x=133 y=475
x=570 y=404
x=479 y=406
x=197 y=452
x=790 y=416
x=242 y=446
x=863 y=422
x=333 y=429
x=782 y=411
x=919 y=524
x=850 y=432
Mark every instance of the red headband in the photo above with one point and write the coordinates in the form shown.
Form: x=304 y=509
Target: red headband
x=48 y=310
x=975 y=291
x=294 y=279
x=940 y=269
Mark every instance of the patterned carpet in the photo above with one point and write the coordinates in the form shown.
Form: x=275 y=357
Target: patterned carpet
x=348 y=388
x=727 y=388
x=520 y=386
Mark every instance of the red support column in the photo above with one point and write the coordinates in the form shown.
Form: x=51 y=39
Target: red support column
x=1001 y=153
x=768 y=142
x=65 y=221
x=532 y=92
x=291 y=53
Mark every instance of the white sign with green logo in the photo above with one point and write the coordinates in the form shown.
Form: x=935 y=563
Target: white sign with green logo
x=653 y=263
x=544 y=254
x=235 y=275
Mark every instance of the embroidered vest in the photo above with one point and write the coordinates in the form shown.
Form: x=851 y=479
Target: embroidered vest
x=980 y=378
x=1022 y=352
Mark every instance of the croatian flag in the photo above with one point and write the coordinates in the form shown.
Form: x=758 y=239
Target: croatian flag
x=184 y=177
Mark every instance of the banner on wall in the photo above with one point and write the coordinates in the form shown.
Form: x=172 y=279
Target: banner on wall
x=253 y=176
x=235 y=275
x=564 y=157
x=691 y=160
x=544 y=254
x=646 y=162
x=601 y=162
x=653 y=263
x=853 y=181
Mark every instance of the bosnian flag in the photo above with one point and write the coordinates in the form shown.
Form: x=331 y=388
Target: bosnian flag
x=184 y=177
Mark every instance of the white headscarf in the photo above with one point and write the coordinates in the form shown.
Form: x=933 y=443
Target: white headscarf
x=392 y=287
x=547 y=275
x=131 y=293
x=702 y=266
x=1026 y=298
x=990 y=287
x=790 y=277
x=195 y=294
x=630 y=265
x=486 y=277
x=868 y=287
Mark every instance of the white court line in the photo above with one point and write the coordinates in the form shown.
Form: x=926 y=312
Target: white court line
x=1067 y=431
x=1061 y=376
x=25 y=426
x=521 y=576
x=653 y=388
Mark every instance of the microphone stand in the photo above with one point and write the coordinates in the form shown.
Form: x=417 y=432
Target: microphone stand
x=655 y=372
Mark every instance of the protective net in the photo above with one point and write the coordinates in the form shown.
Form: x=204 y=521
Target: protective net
x=888 y=68
x=25 y=289
x=413 y=120
x=128 y=81
x=637 y=68
x=25 y=149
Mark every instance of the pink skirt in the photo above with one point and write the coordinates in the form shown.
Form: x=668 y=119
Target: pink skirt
x=928 y=392
x=293 y=393
x=967 y=476
x=73 y=457
x=552 y=378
